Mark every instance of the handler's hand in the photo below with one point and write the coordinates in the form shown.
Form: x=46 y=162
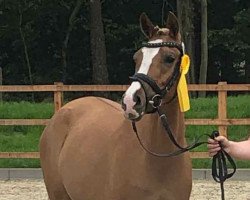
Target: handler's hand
x=213 y=145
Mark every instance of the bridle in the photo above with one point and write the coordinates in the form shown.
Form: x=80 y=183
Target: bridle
x=155 y=101
x=220 y=160
x=152 y=102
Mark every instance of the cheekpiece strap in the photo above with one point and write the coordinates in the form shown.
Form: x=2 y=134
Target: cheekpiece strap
x=164 y=44
x=142 y=77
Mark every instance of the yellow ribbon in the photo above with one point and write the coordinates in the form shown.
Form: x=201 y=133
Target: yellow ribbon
x=182 y=89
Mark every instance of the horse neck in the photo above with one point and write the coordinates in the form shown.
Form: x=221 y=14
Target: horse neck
x=156 y=137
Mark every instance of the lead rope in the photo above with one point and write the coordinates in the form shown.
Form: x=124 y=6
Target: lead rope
x=219 y=161
x=219 y=166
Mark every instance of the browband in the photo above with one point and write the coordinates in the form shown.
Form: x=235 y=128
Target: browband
x=164 y=44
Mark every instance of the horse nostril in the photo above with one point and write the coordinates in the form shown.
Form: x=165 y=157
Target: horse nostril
x=137 y=100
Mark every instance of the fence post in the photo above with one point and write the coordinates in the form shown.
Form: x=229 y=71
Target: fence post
x=222 y=108
x=58 y=96
x=1 y=83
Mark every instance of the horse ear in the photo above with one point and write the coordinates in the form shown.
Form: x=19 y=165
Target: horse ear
x=147 y=27
x=172 y=25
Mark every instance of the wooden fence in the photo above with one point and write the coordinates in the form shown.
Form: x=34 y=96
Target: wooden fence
x=58 y=88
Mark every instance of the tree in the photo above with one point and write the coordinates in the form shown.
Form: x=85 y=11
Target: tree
x=185 y=15
x=204 y=47
x=72 y=20
x=21 y=9
x=18 y=27
x=229 y=44
x=242 y=28
x=98 y=47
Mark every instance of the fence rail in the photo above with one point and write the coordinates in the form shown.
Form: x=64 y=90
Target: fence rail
x=221 y=86
x=58 y=88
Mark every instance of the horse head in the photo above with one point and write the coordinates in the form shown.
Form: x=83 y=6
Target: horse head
x=157 y=68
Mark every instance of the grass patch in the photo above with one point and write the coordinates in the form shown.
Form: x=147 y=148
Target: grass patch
x=237 y=107
x=25 y=110
x=19 y=163
x=22 y=138
x=26 y=138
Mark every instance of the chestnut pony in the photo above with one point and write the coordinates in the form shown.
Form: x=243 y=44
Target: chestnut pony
x=89 y=150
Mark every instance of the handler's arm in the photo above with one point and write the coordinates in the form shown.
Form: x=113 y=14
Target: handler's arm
x=240 y=150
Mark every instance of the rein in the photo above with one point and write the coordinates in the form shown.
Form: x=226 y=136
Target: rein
x=219 y=161
x=168 y=133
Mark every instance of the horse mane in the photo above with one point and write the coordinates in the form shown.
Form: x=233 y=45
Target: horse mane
x=163 y=32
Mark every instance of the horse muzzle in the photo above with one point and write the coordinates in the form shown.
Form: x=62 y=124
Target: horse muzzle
x=133 y=104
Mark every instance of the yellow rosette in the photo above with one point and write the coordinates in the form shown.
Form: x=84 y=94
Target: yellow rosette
x=182 y=89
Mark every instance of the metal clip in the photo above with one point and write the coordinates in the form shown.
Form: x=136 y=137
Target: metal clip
x=154 y=102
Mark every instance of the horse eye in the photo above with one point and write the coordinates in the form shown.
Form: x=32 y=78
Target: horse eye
x=169 y=59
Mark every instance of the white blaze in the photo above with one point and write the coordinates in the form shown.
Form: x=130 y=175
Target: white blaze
x=128 y=98
x=148 y=55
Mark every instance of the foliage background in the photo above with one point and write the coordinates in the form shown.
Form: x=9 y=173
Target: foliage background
x=44 y=25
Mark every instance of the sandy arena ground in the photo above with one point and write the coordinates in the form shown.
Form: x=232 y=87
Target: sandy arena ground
x=202 y=190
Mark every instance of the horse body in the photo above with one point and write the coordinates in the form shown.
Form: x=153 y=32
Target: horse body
x=89 y=151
